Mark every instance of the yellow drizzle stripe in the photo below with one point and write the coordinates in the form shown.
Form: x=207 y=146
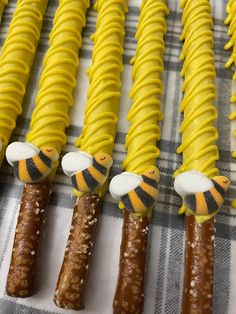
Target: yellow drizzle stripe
x=147 y=88
x=58 y=78
x=104 y=78
x=198 y=127
x=16 y=60
x=231 y=20
x=2 y=6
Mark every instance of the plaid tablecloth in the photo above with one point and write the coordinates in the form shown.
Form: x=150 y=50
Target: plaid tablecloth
x=166 y=237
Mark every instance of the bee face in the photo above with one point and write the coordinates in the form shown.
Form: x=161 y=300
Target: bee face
x=104 y=159
x=152 y=173
x=224 y=182
x=50 y=153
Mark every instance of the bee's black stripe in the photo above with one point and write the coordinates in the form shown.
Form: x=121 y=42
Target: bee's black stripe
x=91 y=182
x=32 y=169
x=149 y=181
x=127 y=202
x=191 y=202
x=74 y=182
x=99 y=167
x=146 y=198
x=45 y=159
x=211 y=202
x=16 y=169
x=218 y=188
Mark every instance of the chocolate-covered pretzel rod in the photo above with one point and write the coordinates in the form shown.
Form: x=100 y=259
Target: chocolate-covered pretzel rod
x=129 y=294
x=137 y=189
x=197 y=180
x=73 y=275
x=199 y=261
x=36 y=160
x=89 y=167
x=21 y=278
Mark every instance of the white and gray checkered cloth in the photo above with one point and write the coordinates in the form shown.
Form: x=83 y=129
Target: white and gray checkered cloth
x=166 y=238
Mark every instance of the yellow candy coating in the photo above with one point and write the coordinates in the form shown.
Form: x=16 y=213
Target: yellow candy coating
x=198 y=127
x=104 y=77
x=16 y=60
x=58 y=78
x=147 y=88
x=231 y=20
x=2 y=5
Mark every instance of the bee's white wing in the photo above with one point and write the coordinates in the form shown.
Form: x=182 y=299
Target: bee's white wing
x=19 y=151
x=124 y=183
x=75 y=161
x=191 y=182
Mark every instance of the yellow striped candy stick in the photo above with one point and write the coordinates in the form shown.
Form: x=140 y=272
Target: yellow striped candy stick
x=198 y=147
x=47 y=129
x=142 y=152
x=96 y=139
x=16 y=60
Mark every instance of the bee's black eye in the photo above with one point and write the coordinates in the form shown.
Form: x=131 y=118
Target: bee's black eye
x=226 y=181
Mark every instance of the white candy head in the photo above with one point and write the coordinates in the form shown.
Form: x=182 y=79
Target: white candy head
x=124 y=183
x=191 y=182
x=74 y=162
x=17 y=151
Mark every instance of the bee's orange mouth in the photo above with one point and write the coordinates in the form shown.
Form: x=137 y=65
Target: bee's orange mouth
x=225 y=181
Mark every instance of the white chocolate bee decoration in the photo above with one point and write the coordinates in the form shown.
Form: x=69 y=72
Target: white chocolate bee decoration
x=201 y=196
x=30 y=164
x=87 y=173
x=137 y=193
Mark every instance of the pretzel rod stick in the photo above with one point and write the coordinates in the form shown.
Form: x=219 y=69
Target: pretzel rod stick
x=142 y=152
x=50 y=118
x=199 y=261
x=129 y=294
x=3 y=3
x=16 y=60
x=21 y=278
x=199 y=153
x=96 y=144
x=73 y=275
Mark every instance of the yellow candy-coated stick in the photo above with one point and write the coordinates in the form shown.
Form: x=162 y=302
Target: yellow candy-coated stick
x=47 y=128
x=97 y=137
x=198 y=127
x=231 y=20
x=58 y=78
x=198 y=148
x=16 y=60
x=145 y=113
x=104 y=77
x=3 y=3
x=142 y=151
